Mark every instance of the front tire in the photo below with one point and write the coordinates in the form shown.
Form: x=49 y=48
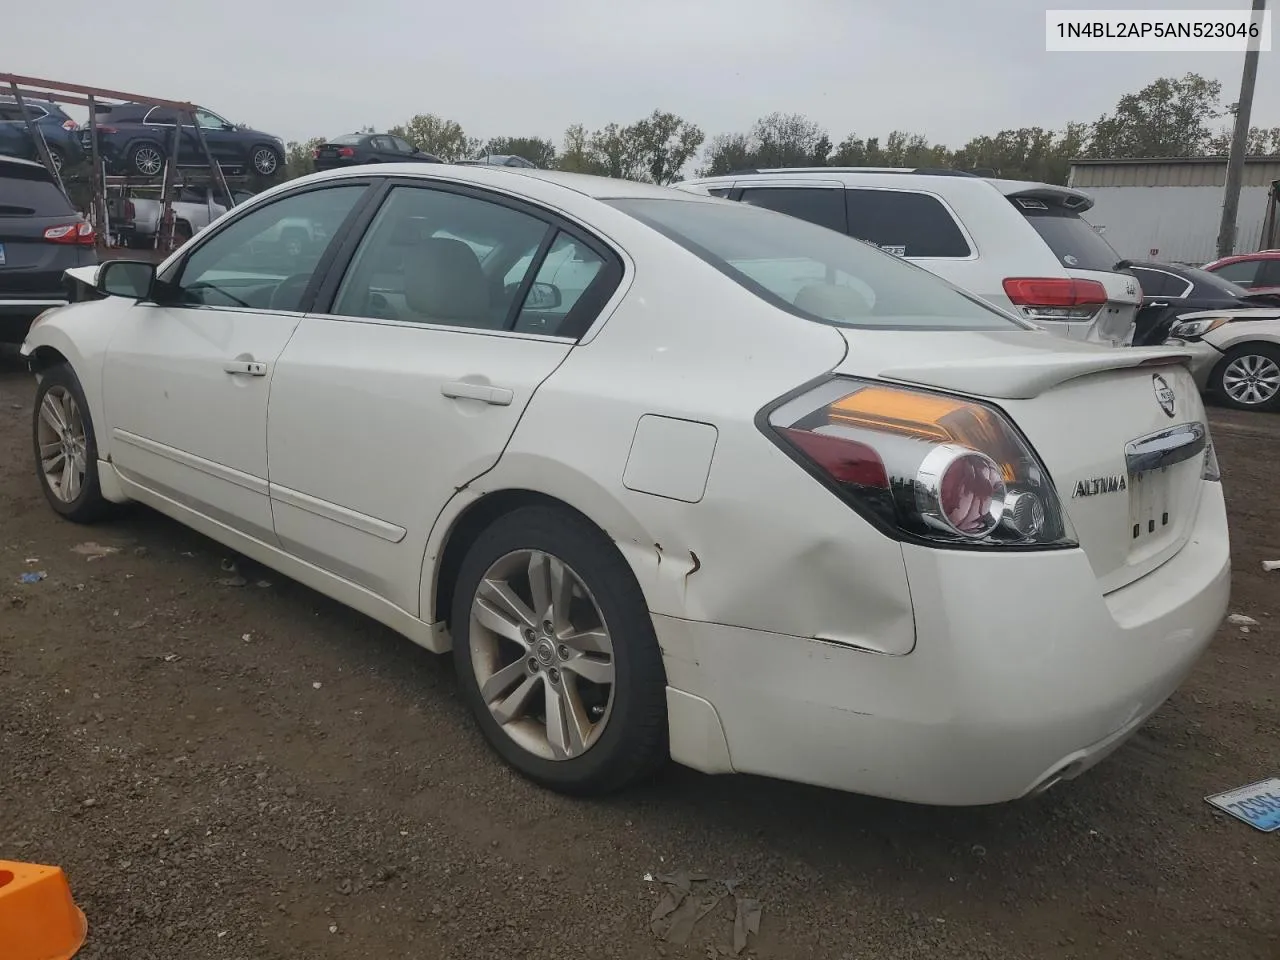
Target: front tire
x=1248 y=377
x=66 y=449
x=265 y=160
x=556 y=654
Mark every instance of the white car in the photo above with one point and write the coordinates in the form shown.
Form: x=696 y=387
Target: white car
x=1020 y=245
x=1236 y=354
x=755 y=496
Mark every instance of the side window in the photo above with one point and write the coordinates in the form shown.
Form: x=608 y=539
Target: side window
x=265 y=259
x=904 y=223
x=161 y=115
x=403 y=145
x=436 y=257
x=209 y=121
x=1157 y=283
x=1268 y=273
x=568 y=269
x=1243 y=272
x=382 y=143
x=821 y=205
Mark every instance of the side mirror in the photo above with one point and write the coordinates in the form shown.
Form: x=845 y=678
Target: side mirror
x=126 y=278
x=543 y=296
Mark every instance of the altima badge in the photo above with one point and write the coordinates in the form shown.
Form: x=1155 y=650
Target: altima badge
x=1164 y=394
x=1094 y=486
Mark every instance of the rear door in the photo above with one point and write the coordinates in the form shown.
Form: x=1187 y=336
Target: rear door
x=1084 y=254
x=409 y=383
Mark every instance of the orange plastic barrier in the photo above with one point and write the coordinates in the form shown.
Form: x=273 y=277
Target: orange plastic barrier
x=38 y=918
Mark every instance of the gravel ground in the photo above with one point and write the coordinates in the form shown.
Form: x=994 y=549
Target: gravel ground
x=252 y=771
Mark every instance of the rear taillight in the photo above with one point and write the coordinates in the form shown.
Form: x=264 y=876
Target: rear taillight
x=70 y=125
x=923 y=466
x=102 y=129
x=315 y=153
x=346 y=151
x=75 y=233
x=1055 y=298
x=129 y=210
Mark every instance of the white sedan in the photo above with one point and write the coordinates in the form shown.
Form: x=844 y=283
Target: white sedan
x=672 y=476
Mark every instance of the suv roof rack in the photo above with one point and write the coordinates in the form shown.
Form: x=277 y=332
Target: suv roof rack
x=917 y=171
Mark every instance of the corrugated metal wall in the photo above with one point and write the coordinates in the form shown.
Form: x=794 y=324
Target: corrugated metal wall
x=1180 y=222
x=1173 y=173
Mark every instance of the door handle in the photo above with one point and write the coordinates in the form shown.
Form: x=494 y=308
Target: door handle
x=460 y=390
x=1158 y=303
x=245 y=368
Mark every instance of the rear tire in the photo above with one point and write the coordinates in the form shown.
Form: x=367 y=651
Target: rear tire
x=1248 y=377
x=596 y=671
x=66 y=450
x=146 y=159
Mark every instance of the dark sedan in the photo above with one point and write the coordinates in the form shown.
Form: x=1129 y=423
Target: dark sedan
x=358 y=148
x=1169 y=291
x=41 y=236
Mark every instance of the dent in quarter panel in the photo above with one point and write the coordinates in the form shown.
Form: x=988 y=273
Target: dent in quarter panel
x=670 y=458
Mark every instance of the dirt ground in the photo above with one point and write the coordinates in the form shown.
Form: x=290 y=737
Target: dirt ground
x=251 y=772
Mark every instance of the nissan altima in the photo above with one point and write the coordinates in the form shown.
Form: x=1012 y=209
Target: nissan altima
x=672 y=476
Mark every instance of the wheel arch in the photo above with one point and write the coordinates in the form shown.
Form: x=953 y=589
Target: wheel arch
x=481 y=504
x=1231 y=351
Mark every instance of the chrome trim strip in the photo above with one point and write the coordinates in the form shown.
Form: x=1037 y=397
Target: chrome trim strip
x=1165 y=448
x=331 y=511
x=216 y=470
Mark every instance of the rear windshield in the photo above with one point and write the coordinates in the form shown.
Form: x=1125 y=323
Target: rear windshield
x=814 y=272
x=1073 y=241
x=31 y=197
x=352 y=138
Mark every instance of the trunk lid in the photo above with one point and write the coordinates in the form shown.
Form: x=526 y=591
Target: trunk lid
x=1094 y=415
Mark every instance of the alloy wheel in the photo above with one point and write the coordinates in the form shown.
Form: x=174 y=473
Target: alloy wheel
x=148 y=161
x=1251 y=379
x=264 y=161
x=542 y=655
x=63 y=444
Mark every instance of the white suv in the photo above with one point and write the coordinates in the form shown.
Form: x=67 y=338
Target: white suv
x=1017 y=244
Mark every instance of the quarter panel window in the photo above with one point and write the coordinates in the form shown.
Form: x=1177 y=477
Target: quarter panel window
x=435 y=257
x=1157 y=283
x=266 y=259
x=905 y=223
x=821 y=205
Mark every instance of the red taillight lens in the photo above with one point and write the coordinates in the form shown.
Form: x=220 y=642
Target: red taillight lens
x=924 y=466
x=70 y=125
x=130 y=211
x=315 y=153
x=80 y=233
x=102 y=129
x=1055 y=298
x=346 y=152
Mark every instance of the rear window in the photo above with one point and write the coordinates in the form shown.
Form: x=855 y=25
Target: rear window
x=1073 y=241
x=814 y=272
x=350 y=138
x=31 y=197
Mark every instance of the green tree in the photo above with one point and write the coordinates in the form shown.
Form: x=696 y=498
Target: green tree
x=777 y=140
x=299 y=158
x=663 y=143
x=617 y=152
x=578 y=153
x=537 y=150
x=440 y=137
x=1169 y=117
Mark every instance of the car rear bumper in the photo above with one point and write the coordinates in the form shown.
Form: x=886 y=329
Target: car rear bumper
x=1022 y=675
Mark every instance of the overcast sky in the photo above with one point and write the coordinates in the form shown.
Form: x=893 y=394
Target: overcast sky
x=301 y=68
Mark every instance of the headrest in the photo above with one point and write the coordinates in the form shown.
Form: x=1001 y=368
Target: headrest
x=832 y=301
x=444 y=282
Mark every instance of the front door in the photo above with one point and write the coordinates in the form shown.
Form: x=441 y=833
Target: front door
x=186 y=378
x=411 y=382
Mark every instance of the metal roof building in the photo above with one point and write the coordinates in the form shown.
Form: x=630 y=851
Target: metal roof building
x=1169 y=209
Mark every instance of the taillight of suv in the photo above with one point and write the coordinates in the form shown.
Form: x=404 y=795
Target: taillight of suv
x=79 y=233
x=1055 y=298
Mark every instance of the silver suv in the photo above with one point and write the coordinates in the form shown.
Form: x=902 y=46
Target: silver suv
x=1020 y=245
